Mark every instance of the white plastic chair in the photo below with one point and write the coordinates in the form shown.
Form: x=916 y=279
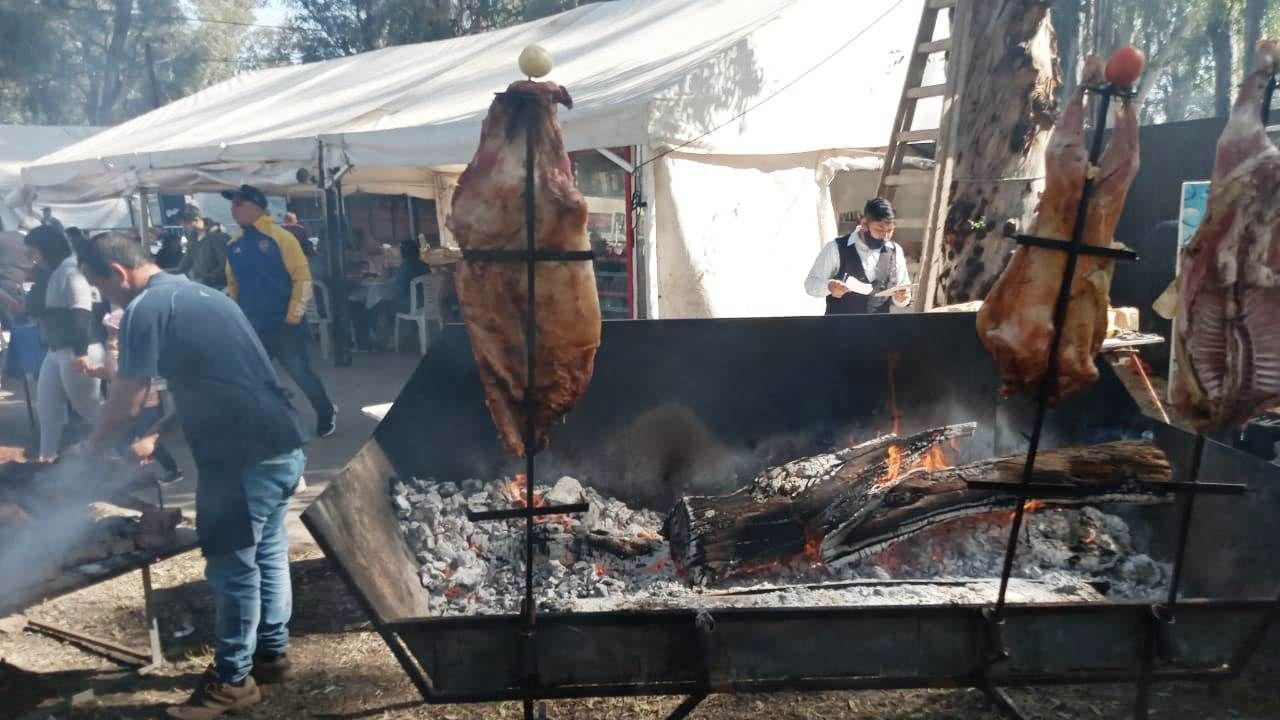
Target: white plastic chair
x=424 y=306
x=317 y=314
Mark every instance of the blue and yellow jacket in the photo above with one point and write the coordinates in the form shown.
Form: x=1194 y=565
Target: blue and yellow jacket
x=268 y=275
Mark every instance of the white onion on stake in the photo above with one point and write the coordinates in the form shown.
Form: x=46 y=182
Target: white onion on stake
x=535 y=61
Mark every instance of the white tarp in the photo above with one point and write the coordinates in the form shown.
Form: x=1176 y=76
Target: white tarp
x=655 y=72
x=754 y=94
x=20 y=144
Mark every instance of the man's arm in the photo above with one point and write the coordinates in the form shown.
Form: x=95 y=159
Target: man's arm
x=295 y=262
x=122 y=406
x=824 y=268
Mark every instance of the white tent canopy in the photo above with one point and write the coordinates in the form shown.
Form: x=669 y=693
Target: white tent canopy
x=21 y=144
x=721 y=81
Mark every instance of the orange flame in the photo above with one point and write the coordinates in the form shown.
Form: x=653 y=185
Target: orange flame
x=935 y=459
x=600 y=571
x=894 y=464
x=515 y=490
x=1033 y=505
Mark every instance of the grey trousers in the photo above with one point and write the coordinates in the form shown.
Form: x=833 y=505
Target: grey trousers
x=59 y=384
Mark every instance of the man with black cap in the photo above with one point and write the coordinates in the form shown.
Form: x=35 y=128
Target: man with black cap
x=855 y=271
x=267 y=273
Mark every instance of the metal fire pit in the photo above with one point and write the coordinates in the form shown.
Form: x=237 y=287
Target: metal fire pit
x=749 y=382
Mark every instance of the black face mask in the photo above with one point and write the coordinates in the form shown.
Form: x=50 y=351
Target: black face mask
x=872 y=242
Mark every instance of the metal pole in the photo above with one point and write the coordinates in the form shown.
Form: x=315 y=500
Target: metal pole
x=413 y=221
x=342 y=309
x=1050 y=376
x=333 y=232
x=144 y=217
x=153 y=623
x=530 y=403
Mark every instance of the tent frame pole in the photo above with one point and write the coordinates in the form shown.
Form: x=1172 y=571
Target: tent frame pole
x=335 y=234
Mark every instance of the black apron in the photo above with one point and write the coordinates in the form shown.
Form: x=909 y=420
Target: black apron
x=850 y=264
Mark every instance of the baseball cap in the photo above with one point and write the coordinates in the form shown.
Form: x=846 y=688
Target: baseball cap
x=248 y=193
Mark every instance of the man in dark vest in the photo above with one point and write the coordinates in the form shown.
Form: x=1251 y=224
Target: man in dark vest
x=853 y=271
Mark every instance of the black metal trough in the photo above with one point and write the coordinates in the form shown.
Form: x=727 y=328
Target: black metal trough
x=756 y=388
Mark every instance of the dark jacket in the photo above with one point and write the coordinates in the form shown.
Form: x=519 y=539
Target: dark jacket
x=206 y=260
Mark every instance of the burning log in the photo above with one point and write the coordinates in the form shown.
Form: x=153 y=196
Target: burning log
x=789 y=509
x=883 y=493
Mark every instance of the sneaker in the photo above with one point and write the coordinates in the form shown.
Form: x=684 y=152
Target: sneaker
x=213 y=698
x=327 y=425
x=277 y=669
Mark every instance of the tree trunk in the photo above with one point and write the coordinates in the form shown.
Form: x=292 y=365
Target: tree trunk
x=858 y=510
x=1066 y=26
x=1219 y=31
x=1007 y=110
x=1255 y=12
x=113 y=63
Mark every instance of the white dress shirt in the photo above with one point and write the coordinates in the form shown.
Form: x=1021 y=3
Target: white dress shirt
x=828 y=262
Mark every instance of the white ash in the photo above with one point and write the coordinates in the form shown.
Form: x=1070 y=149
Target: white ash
x=478 y=568
x=1085 y=543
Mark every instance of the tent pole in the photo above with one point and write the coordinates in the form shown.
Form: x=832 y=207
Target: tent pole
x=413 y=222
x=143 y=220
x=334 y=232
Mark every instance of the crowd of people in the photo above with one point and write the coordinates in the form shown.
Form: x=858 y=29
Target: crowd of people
x=80 y=331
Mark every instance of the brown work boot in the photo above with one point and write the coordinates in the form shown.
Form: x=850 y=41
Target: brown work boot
x=213 y=697
x=274 y=669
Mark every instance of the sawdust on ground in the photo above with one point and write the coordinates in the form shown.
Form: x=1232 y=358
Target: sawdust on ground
x=347 y=672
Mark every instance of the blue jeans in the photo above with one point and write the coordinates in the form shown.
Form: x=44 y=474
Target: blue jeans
x=252 y=595
x=287 y=344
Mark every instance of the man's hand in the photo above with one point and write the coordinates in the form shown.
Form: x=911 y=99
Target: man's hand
x=837 y=289
x=144 y=447
x=83 y=365
x=903 y=296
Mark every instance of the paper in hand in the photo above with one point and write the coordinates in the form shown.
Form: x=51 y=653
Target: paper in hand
x=887 y=292
x=856 y=285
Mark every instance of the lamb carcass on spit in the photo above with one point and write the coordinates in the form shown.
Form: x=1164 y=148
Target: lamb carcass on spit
x=489 y=214
x=1227 y=327
x=1016 y=320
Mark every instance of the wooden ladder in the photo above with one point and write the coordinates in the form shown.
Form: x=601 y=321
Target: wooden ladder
x=903 y=136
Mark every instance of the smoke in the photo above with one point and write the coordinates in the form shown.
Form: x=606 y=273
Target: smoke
x=669 y=451
x=56 y=500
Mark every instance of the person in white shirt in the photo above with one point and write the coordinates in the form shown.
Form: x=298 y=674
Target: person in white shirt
x=853 y=269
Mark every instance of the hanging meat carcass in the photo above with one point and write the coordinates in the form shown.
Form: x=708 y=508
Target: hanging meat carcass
x=1016 y=321
x=1227 y=327
x=489 y=214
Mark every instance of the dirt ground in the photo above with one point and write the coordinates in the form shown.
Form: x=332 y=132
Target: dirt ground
x=347 y=671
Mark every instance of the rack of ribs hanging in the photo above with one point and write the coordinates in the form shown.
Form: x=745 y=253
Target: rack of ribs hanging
x=550 y=310
x=1050 y=388
x=1162 y=636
